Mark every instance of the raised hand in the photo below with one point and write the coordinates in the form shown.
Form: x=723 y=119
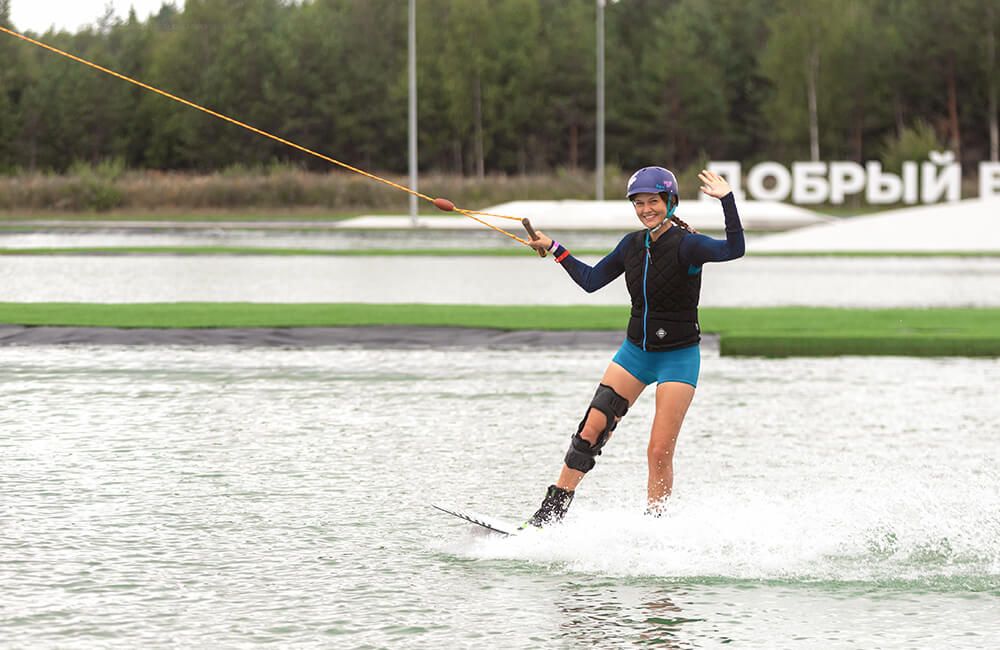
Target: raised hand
x=713 y=184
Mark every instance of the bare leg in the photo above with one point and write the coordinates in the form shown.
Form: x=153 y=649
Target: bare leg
x=625 y=385
x=672 y=402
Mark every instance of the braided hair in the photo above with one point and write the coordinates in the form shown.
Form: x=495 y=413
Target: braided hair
x=667 y=199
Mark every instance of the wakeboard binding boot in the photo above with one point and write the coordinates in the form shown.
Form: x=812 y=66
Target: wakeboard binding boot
x=553 y=508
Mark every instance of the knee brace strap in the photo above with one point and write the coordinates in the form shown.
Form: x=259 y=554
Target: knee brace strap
x=582 y=455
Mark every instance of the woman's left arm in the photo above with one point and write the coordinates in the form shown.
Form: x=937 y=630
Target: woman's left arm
x=698 y=249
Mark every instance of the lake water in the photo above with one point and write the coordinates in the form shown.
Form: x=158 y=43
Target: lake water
x=269 y=237
x=840 y=282
x=228 y=497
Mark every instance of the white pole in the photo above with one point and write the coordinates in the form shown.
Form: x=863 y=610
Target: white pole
x=413 y=110
x=599 y=171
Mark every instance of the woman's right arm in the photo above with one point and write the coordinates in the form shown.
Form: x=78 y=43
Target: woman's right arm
x=590 y=278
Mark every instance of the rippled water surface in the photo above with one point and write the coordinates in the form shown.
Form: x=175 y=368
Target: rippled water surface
x=838 y=282
x=239 y=496
x=270 y=238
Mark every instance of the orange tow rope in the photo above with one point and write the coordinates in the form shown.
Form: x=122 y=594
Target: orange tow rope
x=440 y=203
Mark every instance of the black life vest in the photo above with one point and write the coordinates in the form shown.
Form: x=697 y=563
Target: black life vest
x=664 y=295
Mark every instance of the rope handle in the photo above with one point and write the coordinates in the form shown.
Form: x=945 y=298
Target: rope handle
x=534 y=235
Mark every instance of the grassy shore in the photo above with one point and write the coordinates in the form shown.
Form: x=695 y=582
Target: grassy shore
x=108 y=188
x=777 y=331
x=21 y=219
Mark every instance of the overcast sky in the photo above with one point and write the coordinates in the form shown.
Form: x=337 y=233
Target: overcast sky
x=39 y=15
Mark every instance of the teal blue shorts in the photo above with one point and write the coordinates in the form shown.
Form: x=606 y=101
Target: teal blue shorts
x=682 y=364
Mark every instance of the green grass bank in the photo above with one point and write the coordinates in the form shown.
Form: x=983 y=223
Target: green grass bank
x=771 y=331
x=109 y=187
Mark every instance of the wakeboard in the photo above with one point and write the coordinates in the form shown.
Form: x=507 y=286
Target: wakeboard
x=491 y=524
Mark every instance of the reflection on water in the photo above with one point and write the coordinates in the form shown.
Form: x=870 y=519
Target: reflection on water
x=235 y=496
x=602 y=616
x=666 y=623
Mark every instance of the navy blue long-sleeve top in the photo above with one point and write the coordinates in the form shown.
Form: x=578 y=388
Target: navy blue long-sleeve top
x=695 y=250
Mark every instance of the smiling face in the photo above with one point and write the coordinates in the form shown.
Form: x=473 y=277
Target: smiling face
x=650 y=208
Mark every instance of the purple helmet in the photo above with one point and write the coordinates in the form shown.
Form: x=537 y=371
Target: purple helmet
x=654 y=180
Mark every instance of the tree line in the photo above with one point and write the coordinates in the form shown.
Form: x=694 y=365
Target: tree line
x=508 y=86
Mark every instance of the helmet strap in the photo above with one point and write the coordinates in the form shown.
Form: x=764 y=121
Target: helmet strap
x=670 y=213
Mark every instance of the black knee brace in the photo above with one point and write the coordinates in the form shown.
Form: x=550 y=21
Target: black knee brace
x=582 y=455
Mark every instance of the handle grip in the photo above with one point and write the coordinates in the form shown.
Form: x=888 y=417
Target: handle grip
x=531 y=233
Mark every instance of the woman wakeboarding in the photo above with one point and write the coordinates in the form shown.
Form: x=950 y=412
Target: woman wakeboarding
x=662 y=264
